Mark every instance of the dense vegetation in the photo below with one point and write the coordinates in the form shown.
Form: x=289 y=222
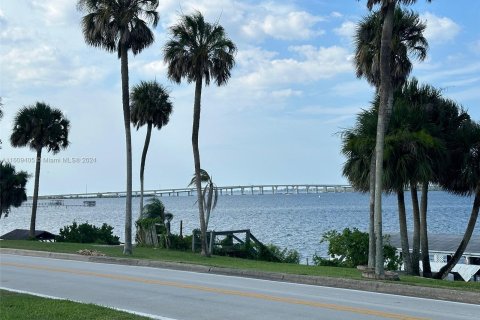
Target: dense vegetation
x=88 y=233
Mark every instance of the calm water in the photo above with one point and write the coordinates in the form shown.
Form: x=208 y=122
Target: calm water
x=295 y=221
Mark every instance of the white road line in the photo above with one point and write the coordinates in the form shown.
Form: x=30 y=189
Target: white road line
x=152 y=316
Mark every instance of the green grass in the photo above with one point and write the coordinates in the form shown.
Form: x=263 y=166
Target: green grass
x=23 y=306
x=227 y=262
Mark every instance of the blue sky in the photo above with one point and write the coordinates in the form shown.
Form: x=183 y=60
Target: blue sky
x=292 y=90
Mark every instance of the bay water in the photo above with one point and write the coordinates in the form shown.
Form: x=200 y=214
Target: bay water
x=296 y=221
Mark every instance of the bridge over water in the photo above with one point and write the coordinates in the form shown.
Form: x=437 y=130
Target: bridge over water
x=225 y=190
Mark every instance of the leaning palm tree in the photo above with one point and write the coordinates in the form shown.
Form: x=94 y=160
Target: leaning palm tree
x=151 y=106
x=39 y=126
x=120 y=26
x=408 y=40
x=199 y=51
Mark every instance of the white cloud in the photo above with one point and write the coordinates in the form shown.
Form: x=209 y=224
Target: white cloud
x=286 y=93
x=55 y=11
x=46 y=66
x=346 y=30
x=312 y=64
x=291 y=26
x=153 y=68
x=15 y=34
x=439 y=29
x=336 y=14
x=3 y=20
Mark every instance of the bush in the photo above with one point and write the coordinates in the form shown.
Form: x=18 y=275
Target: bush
x=274 y=253
x=253 y=251
x=350 y=249
x=87 y=233
x=180 y=243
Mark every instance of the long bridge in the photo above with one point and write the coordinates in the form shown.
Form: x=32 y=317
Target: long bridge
x=226 y=190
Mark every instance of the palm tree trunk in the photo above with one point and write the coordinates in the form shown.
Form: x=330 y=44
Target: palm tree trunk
x=209 y=204
x=127 y=249
x=371 y=228
x=427 y=270
x=385 y=97
x=33 y=218
x=196 y=158
x=402 y=219
x=142 y=164
x=416 y=230
x=466 y=237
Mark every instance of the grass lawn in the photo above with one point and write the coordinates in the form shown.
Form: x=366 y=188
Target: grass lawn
x=220 y=261
x=23 y=306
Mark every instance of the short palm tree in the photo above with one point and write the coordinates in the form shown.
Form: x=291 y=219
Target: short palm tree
x=199 y=51
x=209 y=193
x=39 y=126
x=119 y=26
x=150 y=105
x=12 y=188
x=408 y=40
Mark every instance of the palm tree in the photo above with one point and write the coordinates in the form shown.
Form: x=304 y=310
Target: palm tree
x=199 y=51
x=39 y=126
x=209 y=193
x=407 y=39
x=462 y=176
x=433 y=119
x=411 y=149
x=12 y=188
x=120 y=26
x=150 y=105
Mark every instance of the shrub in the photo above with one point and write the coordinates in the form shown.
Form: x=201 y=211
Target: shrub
x=180 y=243
x=87 y=233
x=350 y=249
x=253 y=251
x=284 y=255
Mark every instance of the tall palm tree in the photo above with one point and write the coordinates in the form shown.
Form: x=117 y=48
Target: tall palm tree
x=151 y=106
x=12 y=188
x=39 y=126
x=462 y=176
x=199 y=51
x=120 y=26
x=408 y=40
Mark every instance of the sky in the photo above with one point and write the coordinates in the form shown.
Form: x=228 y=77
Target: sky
x=277 y=121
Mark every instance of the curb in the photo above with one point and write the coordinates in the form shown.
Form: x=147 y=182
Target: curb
x=362 y=285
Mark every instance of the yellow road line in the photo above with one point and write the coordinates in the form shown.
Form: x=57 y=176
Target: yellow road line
x=329 y=306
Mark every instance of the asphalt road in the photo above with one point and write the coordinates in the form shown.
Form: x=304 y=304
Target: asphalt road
x=181 y=295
